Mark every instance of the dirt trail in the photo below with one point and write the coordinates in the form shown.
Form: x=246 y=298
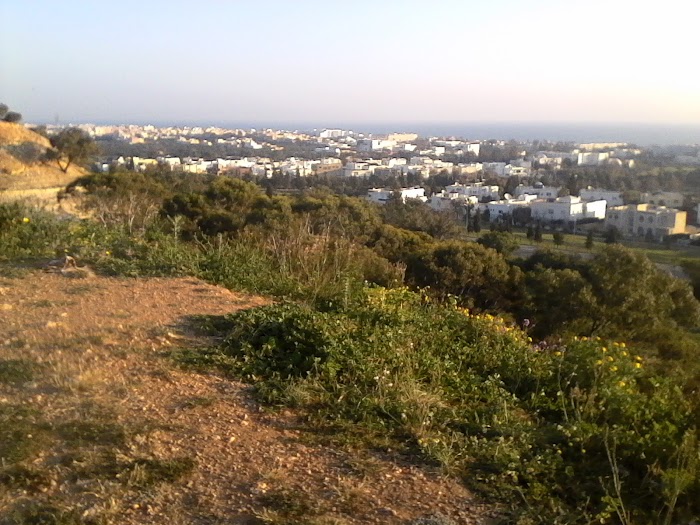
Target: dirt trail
x=99 y=350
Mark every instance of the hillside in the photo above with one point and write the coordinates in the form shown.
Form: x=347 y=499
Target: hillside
x=100 y=425
x=23 y=173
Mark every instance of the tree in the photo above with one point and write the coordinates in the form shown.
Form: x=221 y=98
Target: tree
x=612 y=235
x=12 y=116
x=537 y=236
x=530 y=232
x=476 y=275
x=558 y=238
x=477 y=222
x=504 y=243
x=3 y=110
x=589 y=240
x=72 y=146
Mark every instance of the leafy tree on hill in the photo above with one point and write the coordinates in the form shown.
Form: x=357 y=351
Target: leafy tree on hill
x=9 y=116
x=72 y=146
x=12 y=116
x=504 y=243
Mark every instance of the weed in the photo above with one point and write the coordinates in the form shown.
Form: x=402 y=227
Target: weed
x=197 y=401
x=145 y=473
x=34 y=513
x=17 y=371
x=22 y=433
x=91 y=432
x=287 y=505
x=23 y=477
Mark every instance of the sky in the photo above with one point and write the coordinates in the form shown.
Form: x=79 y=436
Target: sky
x=314 y=61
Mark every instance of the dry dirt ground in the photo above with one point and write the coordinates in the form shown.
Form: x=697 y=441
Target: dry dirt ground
x=111 y=430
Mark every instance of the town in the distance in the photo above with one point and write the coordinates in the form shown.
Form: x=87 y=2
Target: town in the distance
x=633 y=191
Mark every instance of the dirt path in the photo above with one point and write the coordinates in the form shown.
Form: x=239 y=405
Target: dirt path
x=117 y=433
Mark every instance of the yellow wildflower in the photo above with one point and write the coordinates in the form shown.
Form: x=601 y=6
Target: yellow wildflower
x=624 y=352
x=613 y=368
x=557 y=353
x=599 y=362
x=621 y=383
x=25 y=220
x=604 y=349
x=638 y=365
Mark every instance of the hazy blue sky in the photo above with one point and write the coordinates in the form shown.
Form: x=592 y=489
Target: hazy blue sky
x=352 y=61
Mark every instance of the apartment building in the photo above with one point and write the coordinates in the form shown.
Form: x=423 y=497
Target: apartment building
x=646 y=220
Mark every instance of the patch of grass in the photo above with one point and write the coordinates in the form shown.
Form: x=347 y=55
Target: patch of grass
x=17 y=371
x=144 y=473
x=23 y=477
x=11 y=271
x=202 y=359
x=208 y=325
x=140 y=472
x=197 y=401
x=17 y=343
x=35 y=513
x=81 y=289
x=286 y=505
x=22 y=433
x=91 y=432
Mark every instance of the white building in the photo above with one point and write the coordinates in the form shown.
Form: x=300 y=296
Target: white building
x=444 y=201
x=507 y=206
x=554 y=158
x=516 y=171
x=540 y=190
x=498 y=168
x=367 y=145
x=358 y=169
x=478 y=190
x=613 y=198
x=567 y=209
x=382 y=195
x=592 y=158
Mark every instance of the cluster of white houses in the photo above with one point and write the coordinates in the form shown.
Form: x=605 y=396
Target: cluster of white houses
x=651 y=219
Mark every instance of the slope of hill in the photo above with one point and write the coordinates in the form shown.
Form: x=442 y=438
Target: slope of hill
x=98 y=425
x=24 y=175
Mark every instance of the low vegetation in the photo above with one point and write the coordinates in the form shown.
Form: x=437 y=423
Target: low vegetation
x=567 y=389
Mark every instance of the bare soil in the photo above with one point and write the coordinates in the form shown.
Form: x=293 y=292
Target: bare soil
x=101 y=350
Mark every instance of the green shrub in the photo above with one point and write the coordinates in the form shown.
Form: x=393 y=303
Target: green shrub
x=552 y=424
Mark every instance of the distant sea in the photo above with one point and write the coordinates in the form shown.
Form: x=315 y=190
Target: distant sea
x=634 y=133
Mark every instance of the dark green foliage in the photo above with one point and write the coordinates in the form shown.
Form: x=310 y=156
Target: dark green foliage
x=612 y=235
x=477 y=275
x=35 y=513
x=16 y=423
x=503 y=242
x=558 y=238
x=515 y=421
x=91 y=432
x=23 y=477
x=16 y=371
x=537 y=234
x=72 y=146
x=589 y=240
x=12 y=116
